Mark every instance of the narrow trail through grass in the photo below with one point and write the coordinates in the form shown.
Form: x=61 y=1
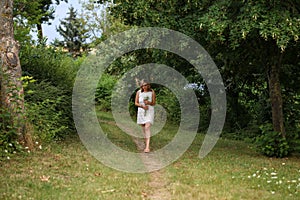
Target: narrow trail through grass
x=157 y=182
x=65 y=170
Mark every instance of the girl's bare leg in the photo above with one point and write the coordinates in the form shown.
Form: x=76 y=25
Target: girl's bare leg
x=143 y=129
x=147 y=137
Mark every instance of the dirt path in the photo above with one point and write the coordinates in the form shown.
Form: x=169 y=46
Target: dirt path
x=158 y=182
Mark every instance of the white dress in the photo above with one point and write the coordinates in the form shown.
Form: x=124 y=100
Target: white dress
x=144 y=116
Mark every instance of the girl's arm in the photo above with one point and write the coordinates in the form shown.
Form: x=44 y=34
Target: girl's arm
x=153 y=98
x=137 y=100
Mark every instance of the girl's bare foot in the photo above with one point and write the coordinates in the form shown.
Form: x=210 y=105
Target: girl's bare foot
x=146 y=150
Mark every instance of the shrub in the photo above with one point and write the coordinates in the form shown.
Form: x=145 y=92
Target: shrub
x=54 y=72
x=169 y=101
x=47 y=108
x=104 y=92
x=272 y=143
x=293 y=137
x=8 y=136
x=9 y=128
x=48 y=64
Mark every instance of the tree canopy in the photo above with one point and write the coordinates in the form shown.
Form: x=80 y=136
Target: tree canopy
x=35 y=12
x=74 y=33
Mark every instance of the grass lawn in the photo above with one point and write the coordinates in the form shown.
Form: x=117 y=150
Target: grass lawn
x=65 y=170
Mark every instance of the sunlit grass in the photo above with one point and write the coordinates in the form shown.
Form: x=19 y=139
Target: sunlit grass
x=233 y=170
x=65 y=170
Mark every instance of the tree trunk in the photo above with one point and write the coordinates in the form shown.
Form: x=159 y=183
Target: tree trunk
x=276 y=97
x=12 y=98
x=39 y=31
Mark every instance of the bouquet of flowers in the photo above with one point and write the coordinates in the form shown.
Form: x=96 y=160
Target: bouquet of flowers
x=146 y=99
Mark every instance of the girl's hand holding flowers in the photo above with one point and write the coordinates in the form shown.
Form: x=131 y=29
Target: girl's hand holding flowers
x=146 y=102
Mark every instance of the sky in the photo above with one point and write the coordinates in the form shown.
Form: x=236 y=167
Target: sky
x=61 y=11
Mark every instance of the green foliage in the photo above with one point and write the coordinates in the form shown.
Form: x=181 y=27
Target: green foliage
x=74 y=33
x=48 y=95
x=47 y=108
x=8 y=136
x=35 y=12
x=29 y=11
x=11 y=116
x=244 y=38
x=168 y=100
x=294 y=140
x=22 y=34
x=49 y=64
x=272 y=143
x=237 y=21
x=104 y=91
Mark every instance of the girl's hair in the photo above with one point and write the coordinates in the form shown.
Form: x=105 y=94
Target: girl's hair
x=148 y=84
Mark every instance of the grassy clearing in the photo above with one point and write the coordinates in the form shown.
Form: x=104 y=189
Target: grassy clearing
x=233 y=170
x=65 y=170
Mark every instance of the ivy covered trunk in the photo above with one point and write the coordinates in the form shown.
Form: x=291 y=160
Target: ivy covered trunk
x=12 y=98
x=276 y=97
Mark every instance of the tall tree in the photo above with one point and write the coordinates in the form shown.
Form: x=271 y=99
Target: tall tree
x=36 y=12
x=99 y=22
x=247 y=33
x=12 y=99
x=73 y=30
x=269 y=26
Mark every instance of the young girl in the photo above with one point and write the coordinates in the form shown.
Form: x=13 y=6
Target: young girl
x=145 y=100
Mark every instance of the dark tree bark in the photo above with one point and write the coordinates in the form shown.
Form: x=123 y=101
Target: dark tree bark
x=276 y=96
x=40 y=31
x=12 y=98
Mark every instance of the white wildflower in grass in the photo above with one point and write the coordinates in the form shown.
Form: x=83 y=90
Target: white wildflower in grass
x=36 y=142
x=26 y=147
x=40 y=147
x=10 y=144
x=5 y=151
x=283 y=163
x=8 y=157
x=14 y=152
x=274 y=181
